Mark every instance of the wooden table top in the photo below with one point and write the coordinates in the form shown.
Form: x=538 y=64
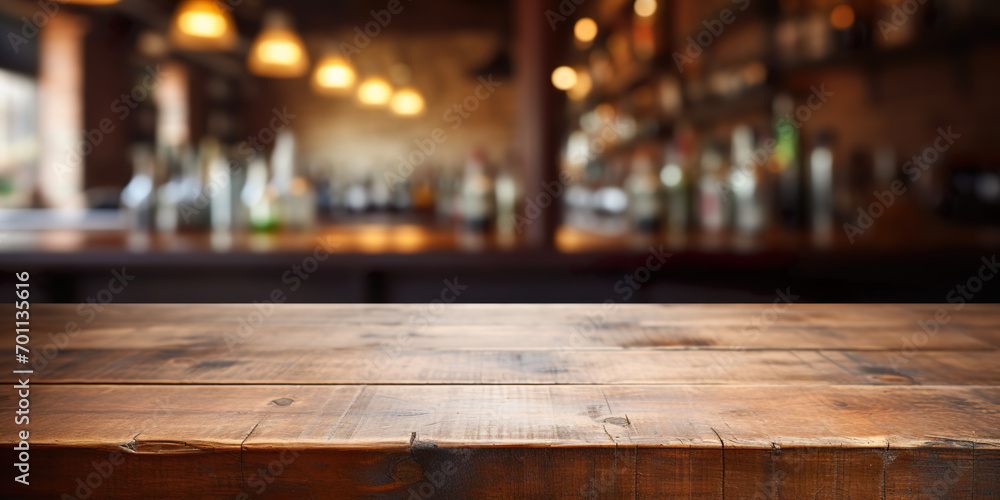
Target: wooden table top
x=509 y=401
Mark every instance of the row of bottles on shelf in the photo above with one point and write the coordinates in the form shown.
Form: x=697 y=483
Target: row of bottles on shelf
x=479 y=195
x=175 y=188
x=178 y=188
x=756 y=178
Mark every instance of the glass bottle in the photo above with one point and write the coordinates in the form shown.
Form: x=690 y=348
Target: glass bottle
x=476 y=192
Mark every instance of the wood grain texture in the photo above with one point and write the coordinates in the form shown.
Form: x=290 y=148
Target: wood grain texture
x=495 y=402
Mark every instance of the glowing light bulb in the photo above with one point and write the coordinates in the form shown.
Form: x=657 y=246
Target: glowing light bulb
x=564 y=77
x=407 y=102
x=202 y=25
x=278 y=51
x=374 y=92
x=333 y=75
x=585 y=30
x=645 y=8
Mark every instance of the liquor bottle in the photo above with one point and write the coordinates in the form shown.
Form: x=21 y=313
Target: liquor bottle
x=445 y=198
x=259 y=198
x=299 y=204
x=193 y=204
x=137 y=197
x=169 y=194
x=677 y=177
x=786 y=162
x=744 y=185
x=644 y=195
x=476 y=196
x=711 y=200
x=401 y=195
x=505 y=188
x=821 y=188
x=220 y=188
x=294 y=195
x=672 y=177
x=356 y=198
x=423 y=193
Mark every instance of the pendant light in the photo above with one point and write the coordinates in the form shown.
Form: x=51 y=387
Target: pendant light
x=278 y=51
x=202 y=25
x=333 y=75
x=407 y=102
x=374 y=92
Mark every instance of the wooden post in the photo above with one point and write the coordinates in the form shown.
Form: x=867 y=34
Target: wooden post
x=536 y=119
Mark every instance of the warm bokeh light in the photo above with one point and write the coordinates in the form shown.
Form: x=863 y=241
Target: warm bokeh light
x=645 y=8
x=374 y=92
x=585 y=30
x=564 y=77
x=91 y=2
x=407 y=102
x=842 y=17
x=202 y=25
x=278 y=51
x=333 y=75
x=581 y=89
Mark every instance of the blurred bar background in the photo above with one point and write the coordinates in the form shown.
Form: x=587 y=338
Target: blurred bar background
x=536 y=151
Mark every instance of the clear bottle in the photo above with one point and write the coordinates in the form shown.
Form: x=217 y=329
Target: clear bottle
x=259 y=198
x=193 y=204
x=821 y=187
x=506 y=200
x=711 y=201
x=294 y=195
x=137 y=197
x=170 y=193
x=744 y=185
x=644 y=194
x=676 y=182
x=221 y=185
x=476 y=198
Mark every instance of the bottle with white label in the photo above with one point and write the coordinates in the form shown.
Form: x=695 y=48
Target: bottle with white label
x=476 y=194
x=821 y=188
x=744 y=185
x=137 y=197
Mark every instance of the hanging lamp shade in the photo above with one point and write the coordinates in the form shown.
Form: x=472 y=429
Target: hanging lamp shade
x=407 y=102
x=202 y=25
x=374 y=92
x=333 y=75
x=278 y=51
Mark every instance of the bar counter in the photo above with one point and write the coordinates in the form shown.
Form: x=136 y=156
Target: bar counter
x=407 y=262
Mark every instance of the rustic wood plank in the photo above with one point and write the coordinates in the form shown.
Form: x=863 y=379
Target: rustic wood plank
x=565 y=441
x=275 y=365
x=460 y=326
x=859 y=315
